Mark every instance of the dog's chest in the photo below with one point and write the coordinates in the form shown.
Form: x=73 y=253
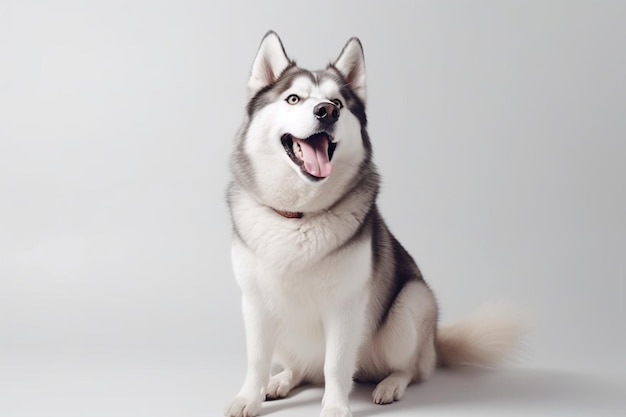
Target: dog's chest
x=296 y=263
x=299 y=264
x=291 y=280
x=284 y=245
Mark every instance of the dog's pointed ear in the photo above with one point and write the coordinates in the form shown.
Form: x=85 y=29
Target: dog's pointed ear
x=271 y=60
x=351 y=65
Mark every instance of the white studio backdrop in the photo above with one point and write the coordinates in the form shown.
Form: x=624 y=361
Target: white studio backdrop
x=499 y=129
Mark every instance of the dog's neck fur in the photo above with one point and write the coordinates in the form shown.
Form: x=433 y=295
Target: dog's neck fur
x=366 y=200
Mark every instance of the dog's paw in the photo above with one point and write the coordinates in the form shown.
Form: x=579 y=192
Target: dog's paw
x=335 y=411
x=388 y=391
x=243 y=407
x=280 y=385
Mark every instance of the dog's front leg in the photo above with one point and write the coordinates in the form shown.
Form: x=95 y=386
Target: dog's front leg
x=260 y=340
x=344 y=327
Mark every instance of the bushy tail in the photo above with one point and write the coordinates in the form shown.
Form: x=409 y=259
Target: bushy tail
x=487 y=338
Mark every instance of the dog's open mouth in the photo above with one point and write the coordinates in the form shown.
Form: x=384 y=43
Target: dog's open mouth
x=312 y=154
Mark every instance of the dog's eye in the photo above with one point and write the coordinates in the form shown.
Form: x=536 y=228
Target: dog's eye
x=337 y=102
x=293 y=99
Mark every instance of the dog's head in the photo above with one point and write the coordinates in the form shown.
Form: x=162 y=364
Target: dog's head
x=304 y=137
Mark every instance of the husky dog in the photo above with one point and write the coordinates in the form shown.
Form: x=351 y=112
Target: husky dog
x=328 y=293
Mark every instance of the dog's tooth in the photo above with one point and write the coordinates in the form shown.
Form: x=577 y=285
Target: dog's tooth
x=297 y=150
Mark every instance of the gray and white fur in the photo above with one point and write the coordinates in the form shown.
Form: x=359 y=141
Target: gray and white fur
x=328 y=293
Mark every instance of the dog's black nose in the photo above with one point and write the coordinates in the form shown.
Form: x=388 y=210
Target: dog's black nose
x=326 y=112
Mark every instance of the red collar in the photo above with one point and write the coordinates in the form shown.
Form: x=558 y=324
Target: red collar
x=289 y=214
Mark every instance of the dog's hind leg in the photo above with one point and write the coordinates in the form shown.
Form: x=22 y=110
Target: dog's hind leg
x=392 y=388
x=282 y=383
x=406 y=342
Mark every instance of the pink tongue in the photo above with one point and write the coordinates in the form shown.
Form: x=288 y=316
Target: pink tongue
x=315 y=155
